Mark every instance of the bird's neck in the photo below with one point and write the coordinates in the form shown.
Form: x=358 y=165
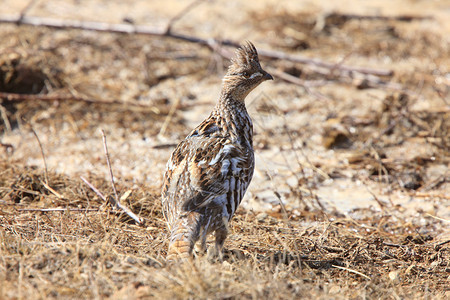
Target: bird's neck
x=234 y=90
x=234 y=118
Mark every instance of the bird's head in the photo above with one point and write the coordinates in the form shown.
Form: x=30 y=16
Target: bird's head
x=245 y=73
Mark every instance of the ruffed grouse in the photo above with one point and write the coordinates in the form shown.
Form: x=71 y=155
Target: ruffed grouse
x=208 y=173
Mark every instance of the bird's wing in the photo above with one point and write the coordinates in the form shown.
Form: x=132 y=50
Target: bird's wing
x=201 y=169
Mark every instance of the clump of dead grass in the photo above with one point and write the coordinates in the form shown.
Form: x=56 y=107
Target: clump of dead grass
x=86 y=250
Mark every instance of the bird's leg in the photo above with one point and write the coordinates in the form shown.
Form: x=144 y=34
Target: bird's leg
x=221 y=235
x=201 y=248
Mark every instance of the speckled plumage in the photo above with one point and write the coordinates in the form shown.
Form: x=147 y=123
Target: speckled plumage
x=209 y=171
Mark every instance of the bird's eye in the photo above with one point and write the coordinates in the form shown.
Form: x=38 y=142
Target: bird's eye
x=245 y=74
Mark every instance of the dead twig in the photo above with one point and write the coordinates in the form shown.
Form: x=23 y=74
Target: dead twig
x=127 y=211
x=52 y=190
x=26 y=9
x=437 y=218
x=365 y=80
x=379 y=202
x=404 y=18
x=4 y=115
x=111 y=176
x=114 y=201
x=352 y=271
x=394 y=245
x=306 y=84
x=33 y=97
x=302 y=171
x=115 y=204
x=164 y=146
x=439 y=245
x=94 y=189
x=283 y=208
x=181 y=14
x=58 y=209
x=293 y=79
x=169 y=117
x=42 y=152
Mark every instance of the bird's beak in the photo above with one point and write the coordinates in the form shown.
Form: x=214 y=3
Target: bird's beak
x=267 y=76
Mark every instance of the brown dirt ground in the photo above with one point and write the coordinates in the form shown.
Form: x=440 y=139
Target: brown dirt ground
x=360 y=163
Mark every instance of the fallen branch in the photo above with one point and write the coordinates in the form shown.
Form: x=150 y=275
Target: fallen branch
x=58 y=209
x=45 y=97
x=367 y=81
x=166 y=32
x=320 y=63
x=131 y=105
x=403 y=18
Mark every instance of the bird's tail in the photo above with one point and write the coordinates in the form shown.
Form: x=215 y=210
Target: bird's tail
x=181 y=244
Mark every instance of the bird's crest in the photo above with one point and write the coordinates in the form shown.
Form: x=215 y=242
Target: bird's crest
x=246 y=57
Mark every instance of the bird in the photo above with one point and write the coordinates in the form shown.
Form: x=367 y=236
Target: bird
x=209 y=171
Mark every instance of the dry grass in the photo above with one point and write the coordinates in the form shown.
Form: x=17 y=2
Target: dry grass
x=86 y=251
x=59 y=240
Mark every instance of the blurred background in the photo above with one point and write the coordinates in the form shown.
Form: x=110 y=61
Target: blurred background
x=358 y=116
